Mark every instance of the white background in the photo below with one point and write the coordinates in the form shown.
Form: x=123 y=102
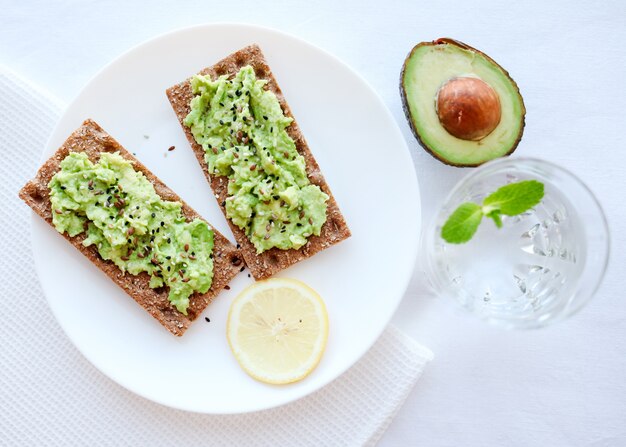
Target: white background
x=564 y=385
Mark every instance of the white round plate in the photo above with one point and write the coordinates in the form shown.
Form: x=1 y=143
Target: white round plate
x=365 y=161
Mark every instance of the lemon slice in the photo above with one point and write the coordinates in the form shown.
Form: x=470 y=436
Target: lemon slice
x=277 y=330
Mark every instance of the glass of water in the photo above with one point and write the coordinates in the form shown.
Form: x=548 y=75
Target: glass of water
x=540 y=267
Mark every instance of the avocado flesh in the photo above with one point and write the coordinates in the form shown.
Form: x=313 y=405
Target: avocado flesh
x=426 y=69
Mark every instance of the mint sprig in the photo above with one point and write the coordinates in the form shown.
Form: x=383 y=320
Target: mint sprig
x=509 y=200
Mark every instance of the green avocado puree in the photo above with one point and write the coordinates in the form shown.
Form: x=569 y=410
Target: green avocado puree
x=131 y=225
x=242 y=129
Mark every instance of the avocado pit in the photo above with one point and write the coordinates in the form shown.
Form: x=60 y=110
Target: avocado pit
x=468 y=108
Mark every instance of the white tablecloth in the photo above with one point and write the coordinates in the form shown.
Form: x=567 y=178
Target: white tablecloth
x=560 y=386
x=50 y=395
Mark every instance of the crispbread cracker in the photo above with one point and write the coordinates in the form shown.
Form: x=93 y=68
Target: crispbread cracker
x=274 y=260
x=93 y=140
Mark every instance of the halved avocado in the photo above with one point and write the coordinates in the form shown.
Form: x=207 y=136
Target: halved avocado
x=461 y=105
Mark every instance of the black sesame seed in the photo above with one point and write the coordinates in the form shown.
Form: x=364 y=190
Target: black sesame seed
x=238 y=93
x=222 y=122
x=62 y=187
x=169 y=268
x=168 y=257
x=153 y=215
x=162 y=223
x=137 y=207
x=169 y=240
x=222 y=104
x=275 y=197
x=207 y=319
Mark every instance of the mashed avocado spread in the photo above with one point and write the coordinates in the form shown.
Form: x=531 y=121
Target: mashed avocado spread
x=242 y=129
x=132 y=225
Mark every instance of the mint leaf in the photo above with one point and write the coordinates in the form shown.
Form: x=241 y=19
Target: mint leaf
x=514 y=199
x=462 y=223
x=509 y=200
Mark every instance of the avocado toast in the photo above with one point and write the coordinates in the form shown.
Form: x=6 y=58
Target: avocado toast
x=153 y=246
x=258 y=144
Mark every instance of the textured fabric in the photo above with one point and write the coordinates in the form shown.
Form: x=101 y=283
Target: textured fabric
x=50 y=395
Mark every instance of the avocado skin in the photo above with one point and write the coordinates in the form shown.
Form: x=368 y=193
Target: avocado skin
x=407 y=112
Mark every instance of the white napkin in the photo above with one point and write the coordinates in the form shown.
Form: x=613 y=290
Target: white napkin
x=50 y=395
